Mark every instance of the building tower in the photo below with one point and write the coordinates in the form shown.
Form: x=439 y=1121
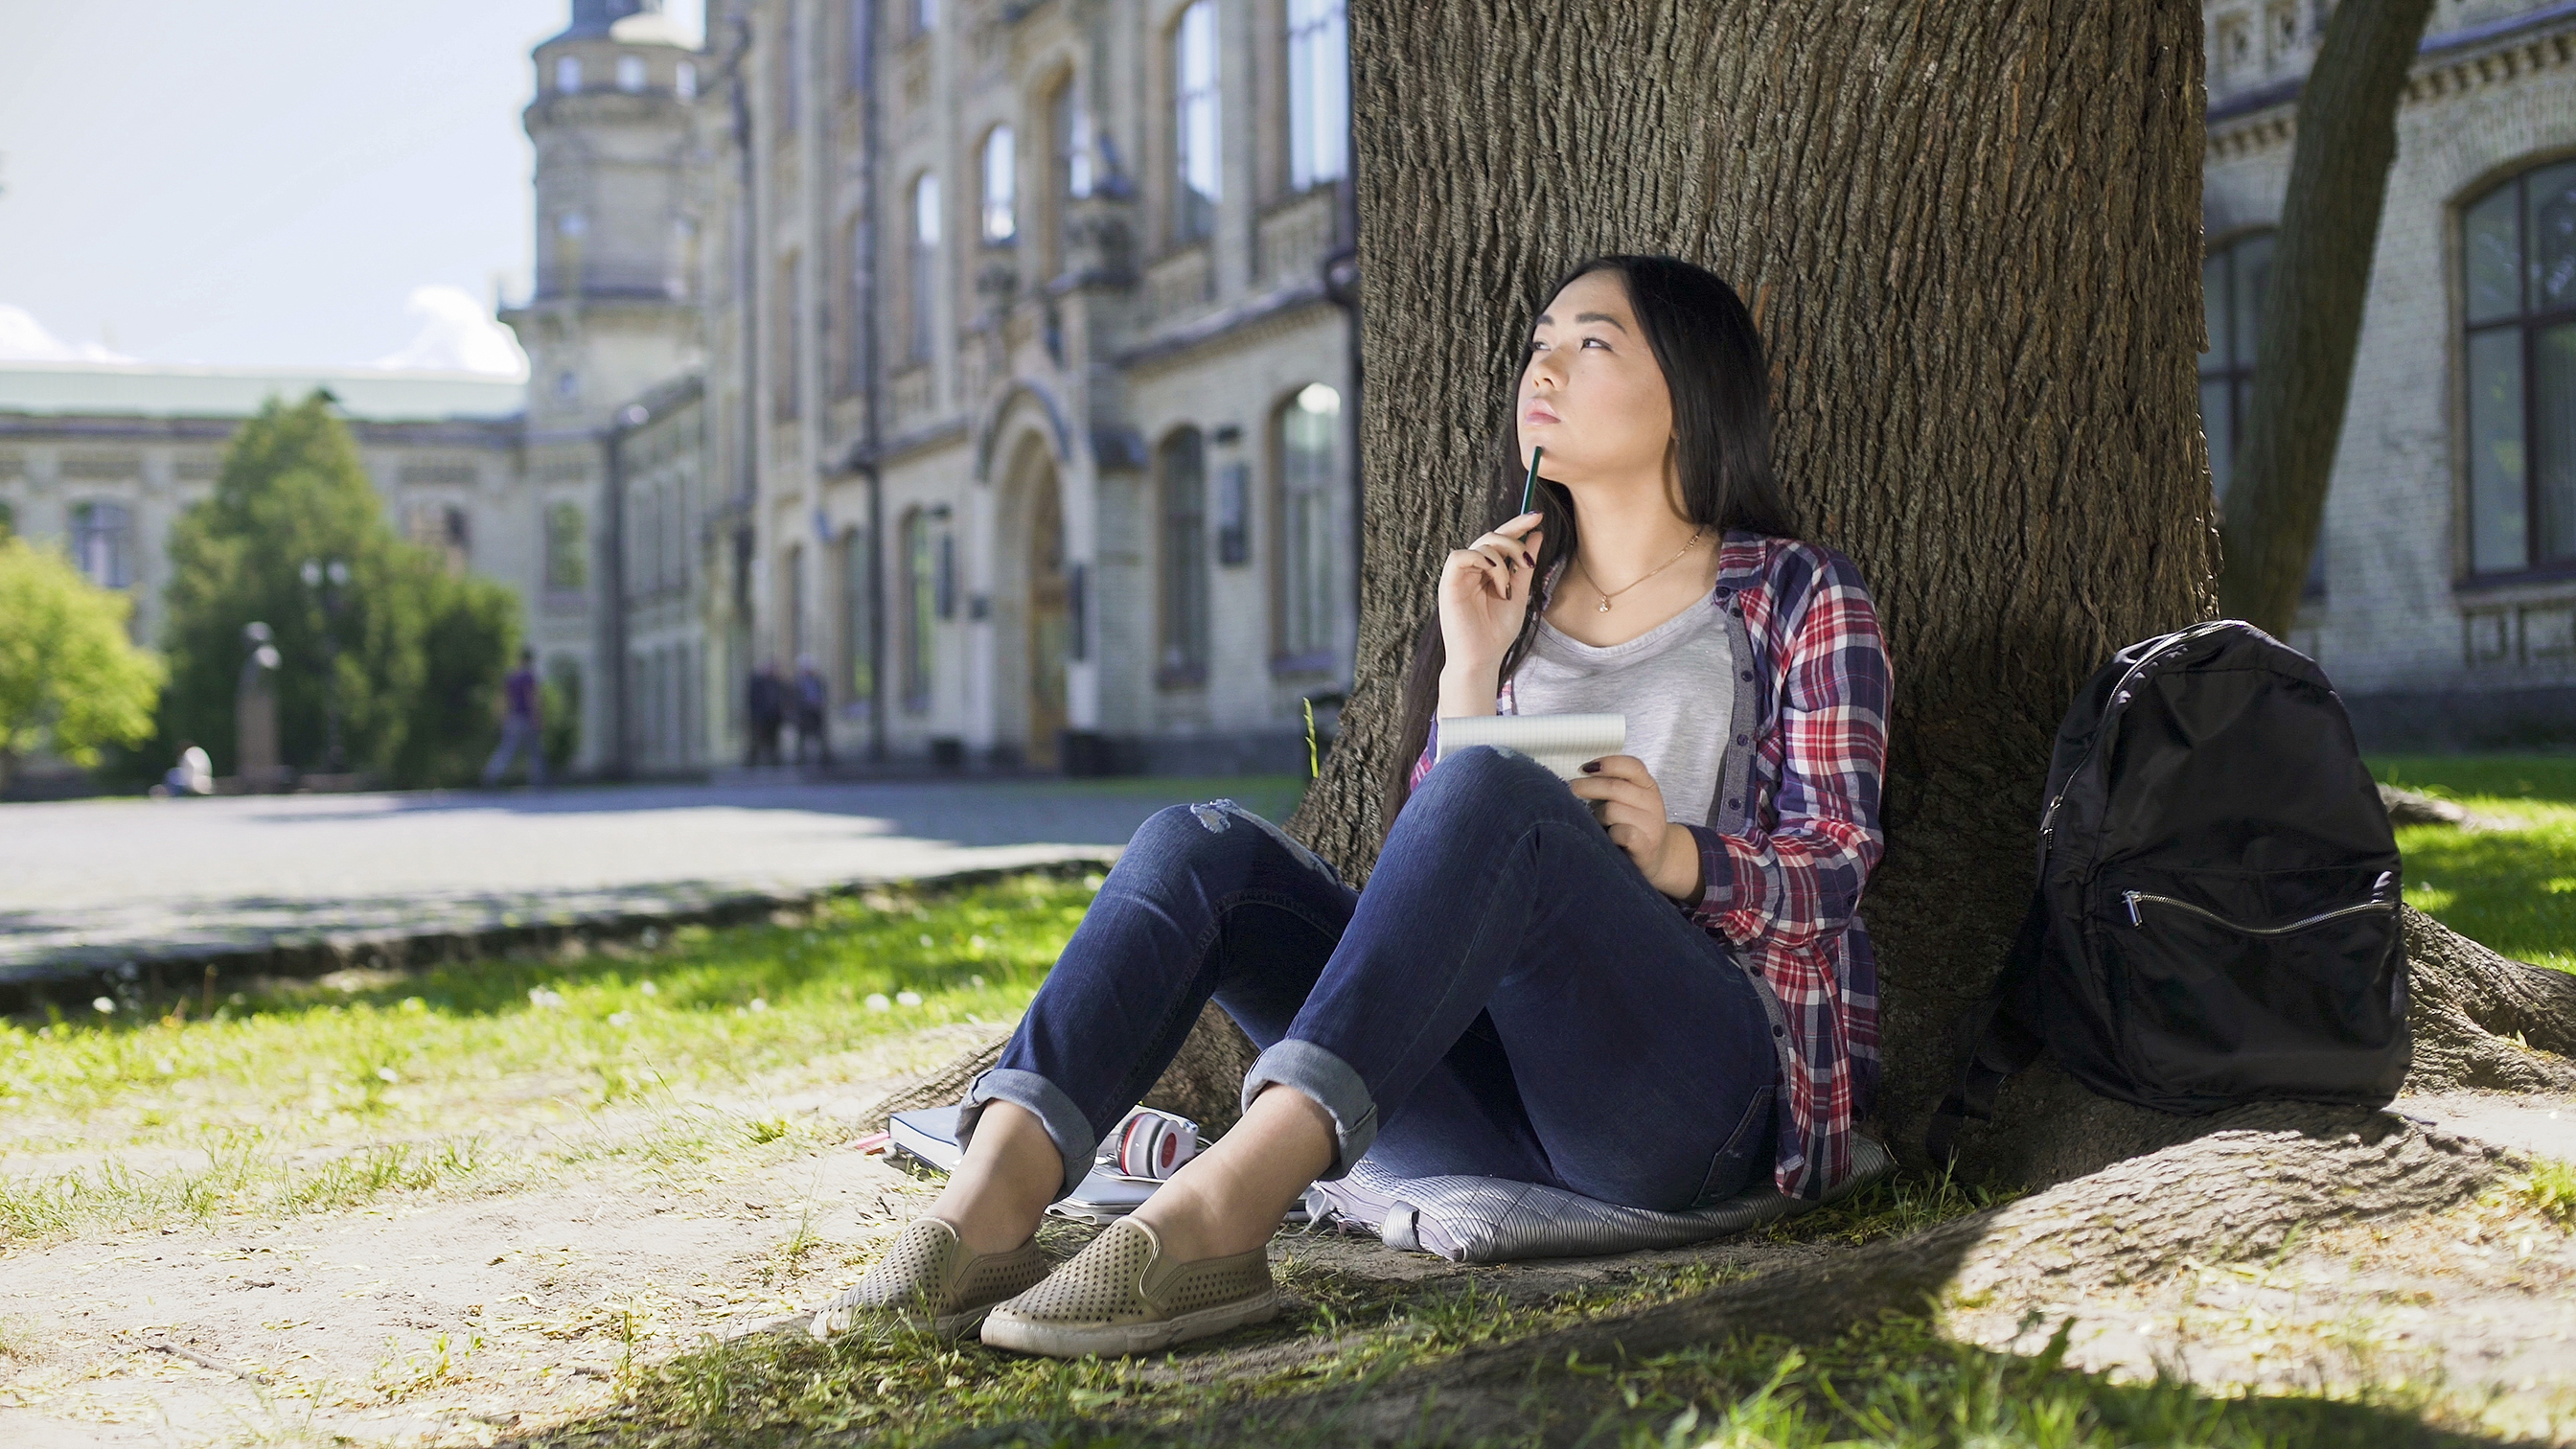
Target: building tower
x=613 y=313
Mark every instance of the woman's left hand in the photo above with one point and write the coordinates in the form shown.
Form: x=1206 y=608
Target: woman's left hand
x=1633 y=810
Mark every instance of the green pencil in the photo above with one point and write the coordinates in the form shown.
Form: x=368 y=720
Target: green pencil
x=1529 y=485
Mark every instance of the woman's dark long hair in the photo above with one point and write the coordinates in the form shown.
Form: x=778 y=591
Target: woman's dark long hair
x=1704 y=339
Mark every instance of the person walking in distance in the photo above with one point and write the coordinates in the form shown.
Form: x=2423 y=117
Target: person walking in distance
x=811 y=697
x=765 y=704
x=522 y=725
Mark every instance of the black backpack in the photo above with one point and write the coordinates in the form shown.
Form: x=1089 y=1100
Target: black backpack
x=2216 y=918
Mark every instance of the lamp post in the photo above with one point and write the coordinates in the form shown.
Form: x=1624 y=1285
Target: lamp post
x=329 y=582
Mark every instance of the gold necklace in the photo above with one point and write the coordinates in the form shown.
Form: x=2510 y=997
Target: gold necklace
x=1693 y=542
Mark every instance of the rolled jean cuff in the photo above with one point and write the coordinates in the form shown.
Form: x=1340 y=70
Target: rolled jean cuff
x=1065 y=1125
x=1334 y=1087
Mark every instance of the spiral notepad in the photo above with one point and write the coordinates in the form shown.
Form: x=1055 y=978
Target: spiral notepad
x=1561 y=742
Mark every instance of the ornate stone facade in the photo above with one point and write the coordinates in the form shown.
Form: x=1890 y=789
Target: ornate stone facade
x=1099 y=514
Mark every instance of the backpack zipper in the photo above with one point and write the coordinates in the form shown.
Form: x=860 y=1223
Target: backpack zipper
x=2048 y=817
x=2135 y=898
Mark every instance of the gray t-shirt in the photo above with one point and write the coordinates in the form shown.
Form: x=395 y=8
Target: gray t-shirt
x=1675 y=683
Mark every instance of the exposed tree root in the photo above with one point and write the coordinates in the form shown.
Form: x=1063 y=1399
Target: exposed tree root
x=2483 y=1020
x=2242 y=1187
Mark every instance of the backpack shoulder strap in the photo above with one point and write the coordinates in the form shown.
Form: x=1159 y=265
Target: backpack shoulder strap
x=1997 y=1037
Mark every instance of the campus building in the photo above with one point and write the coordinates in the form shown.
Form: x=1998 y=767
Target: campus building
x=2443 y=598
x=1027 y=326
x=102 y=458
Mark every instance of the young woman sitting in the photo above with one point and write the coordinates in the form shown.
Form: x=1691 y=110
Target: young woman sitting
x=1647 y=988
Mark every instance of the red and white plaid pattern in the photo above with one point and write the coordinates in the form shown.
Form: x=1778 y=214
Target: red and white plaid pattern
x=1784 y=879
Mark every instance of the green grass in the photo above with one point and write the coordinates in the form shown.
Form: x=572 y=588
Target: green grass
x=1894 y=1383
x=1898 y=1382
x=2513 y=890
x=223 y=1116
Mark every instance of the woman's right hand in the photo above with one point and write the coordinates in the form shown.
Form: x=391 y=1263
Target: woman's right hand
x=1485 y=591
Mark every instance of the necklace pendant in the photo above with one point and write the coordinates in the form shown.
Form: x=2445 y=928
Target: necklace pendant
x=1605 y=606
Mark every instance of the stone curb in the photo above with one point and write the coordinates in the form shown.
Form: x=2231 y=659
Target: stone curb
x=152 y=984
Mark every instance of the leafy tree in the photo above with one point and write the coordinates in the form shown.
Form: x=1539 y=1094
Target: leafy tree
x=416 y=655
x=471 y=636
x=70 y=680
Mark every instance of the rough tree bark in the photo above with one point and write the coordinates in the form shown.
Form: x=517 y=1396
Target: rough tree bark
x=1971 y=229
x=2321 y=258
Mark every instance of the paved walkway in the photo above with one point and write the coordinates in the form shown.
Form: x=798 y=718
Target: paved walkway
x=91 y=883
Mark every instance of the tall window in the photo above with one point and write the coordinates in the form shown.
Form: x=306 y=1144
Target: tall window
x=787 y=378
x=103 y=543
x=925 y=16
x=684 y=81
x=796 y=643
x=1001 y=186
x=1071 y=125
x=2519 y=252
x=443 y=529
x=1319 y=92
x=567 y=548
x=1194 y=123
x=925 y=264
x=920 y=603
x=630 y=73
x=857 y=571
x=790 y=80
x=568 y=73
x=854 y=285
x=1310 y=436
x=644 y=544
x=861 y=46
x=2233 y=281
x=1185 y=562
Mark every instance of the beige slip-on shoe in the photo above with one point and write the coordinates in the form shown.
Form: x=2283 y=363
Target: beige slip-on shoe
x=929 y=1279
x=1121 y=1295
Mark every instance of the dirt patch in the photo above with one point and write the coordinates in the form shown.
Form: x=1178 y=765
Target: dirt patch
x=450 y=1318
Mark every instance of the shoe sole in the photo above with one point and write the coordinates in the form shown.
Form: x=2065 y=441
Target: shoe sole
x=1111 y=1340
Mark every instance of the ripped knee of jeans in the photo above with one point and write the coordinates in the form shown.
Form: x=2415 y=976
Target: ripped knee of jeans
x=1218 y=816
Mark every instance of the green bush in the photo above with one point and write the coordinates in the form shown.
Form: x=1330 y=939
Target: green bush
x=70 y=681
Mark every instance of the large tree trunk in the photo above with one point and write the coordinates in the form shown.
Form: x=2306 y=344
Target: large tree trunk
x=2321 y=258
x=1971 y=231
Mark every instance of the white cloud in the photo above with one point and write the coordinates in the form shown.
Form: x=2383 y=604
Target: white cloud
x=24 y=339
x=456 y=335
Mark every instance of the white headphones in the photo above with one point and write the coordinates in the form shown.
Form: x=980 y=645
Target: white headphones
x=1151 y=1145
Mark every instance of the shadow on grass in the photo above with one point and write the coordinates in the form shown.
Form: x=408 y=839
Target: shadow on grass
x=1894 y=1383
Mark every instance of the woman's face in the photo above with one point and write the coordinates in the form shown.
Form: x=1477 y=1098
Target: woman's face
x=1592 y=394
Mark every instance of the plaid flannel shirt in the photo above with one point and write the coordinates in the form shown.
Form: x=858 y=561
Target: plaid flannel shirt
x=1782 y=881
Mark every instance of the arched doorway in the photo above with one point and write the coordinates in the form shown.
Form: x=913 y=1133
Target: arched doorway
x=1049 y=619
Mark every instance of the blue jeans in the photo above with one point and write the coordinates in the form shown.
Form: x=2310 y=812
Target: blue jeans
x=1507 y=998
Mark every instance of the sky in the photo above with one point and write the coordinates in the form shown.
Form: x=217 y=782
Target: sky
x=297 y=183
